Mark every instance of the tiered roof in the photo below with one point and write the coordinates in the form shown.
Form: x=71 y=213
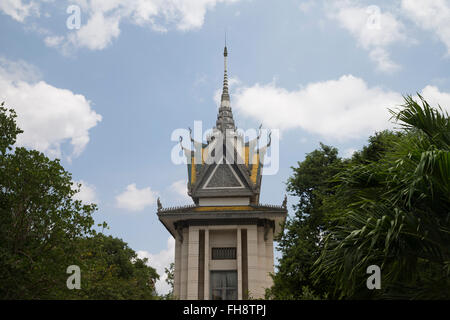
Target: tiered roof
x=238 y=171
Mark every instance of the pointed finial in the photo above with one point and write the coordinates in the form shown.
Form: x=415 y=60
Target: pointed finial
x=225 y=53
x=225 y=76
x=225 y=117
x=284 y=205
x=159 y=204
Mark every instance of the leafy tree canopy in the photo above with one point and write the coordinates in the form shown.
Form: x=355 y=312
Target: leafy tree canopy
x=388 y=205
x=43 y=230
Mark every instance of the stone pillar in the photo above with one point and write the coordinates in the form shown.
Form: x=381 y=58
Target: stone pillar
x=192 y=269
x=177 y=275
x=269 y=258
x=252 y=249
x=184 y=264
x=207 y=251
x=239 y=262
x=262 y=265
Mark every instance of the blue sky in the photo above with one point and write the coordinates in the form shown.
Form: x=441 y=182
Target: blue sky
x=105 y=98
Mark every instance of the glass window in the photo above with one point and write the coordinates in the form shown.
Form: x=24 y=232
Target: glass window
x=223 y=253
x=223 y=285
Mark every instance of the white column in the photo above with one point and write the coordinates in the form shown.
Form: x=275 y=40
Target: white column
x=184 y=264
x=252 y=251
x=269 y=258
x=177 y=275
x=239 y=261
x=207 y=250
x=262 y=265
x=192 y=281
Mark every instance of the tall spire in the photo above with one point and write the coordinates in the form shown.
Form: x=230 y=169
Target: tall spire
x=225 y=117
x=225 y=95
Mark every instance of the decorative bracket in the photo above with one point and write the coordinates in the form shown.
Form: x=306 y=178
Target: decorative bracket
x=179 y=230
x=284 y=204
x=266 y=229
x=159 y=204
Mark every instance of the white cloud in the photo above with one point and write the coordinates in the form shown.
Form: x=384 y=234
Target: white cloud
x=87 y=192
x=53 y=41
x=101 y=19
x=18 y=70
x=373 y=29
x=336 y=109
x=342 y=109
x=134 y=199
x=48 y=115
x=348 y=153
x=98 y=33
x=435 y=97
x=431 y=15
x=18 y=10
x=191 y=14
x=105 y=16
x=160 y=261
x=179 y=188
x=383 y=60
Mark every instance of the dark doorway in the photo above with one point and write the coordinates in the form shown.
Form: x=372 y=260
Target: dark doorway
x=223 y=285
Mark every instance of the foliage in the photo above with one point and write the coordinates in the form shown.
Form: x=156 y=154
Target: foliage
x=301 y=242
x=111 y=270
x=43 y=230
x=388 y=205
x=8 y=128
x=170 y=272
x=397 y=214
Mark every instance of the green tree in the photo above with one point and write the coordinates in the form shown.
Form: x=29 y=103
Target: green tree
x=170 y=272
x=8 y=128
x=43 y=230
x=321 y=202
x=111 y=271
x=301 y=242
x=396 y=215
x=39 y=223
